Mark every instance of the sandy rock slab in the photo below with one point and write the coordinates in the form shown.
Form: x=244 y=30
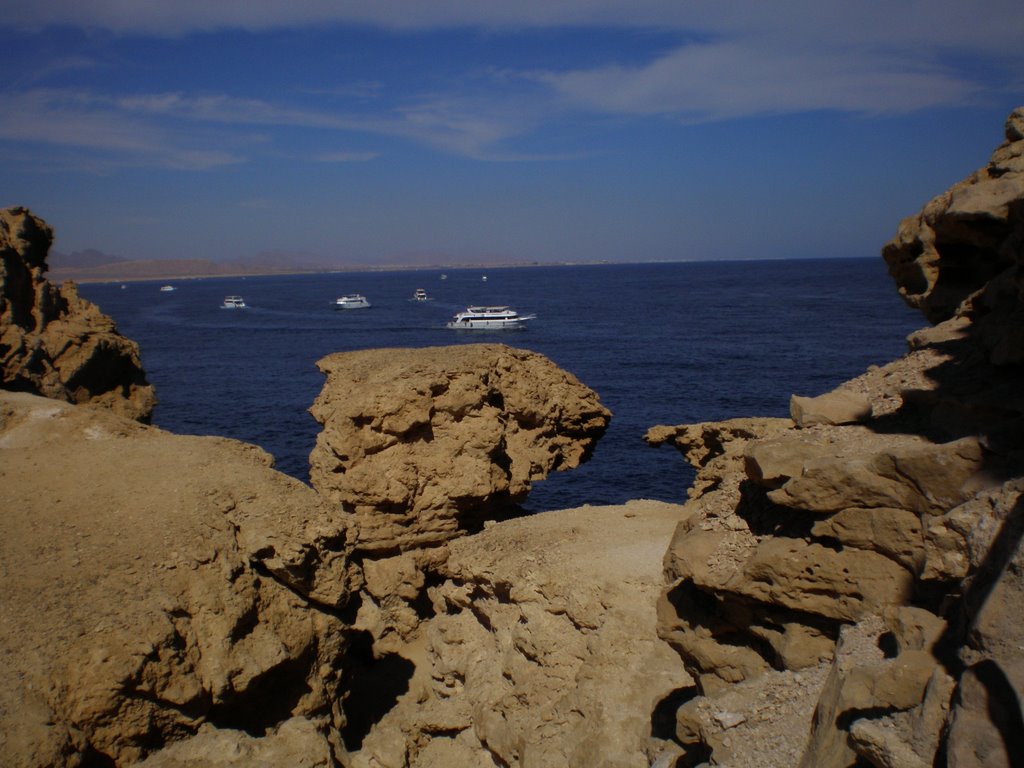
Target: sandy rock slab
x=54 y=343
x=153 y=585
x=422 y=445
x=542 y=650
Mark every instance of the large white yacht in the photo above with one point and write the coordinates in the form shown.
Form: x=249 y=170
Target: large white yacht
x=233 y=302
x=351 y=301
x=488 y=318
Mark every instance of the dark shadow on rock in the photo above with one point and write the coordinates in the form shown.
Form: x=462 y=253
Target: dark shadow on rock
x=767 y=519
x=269 y=699
x=663 y=718
x=373 y=687
x=1003 y=704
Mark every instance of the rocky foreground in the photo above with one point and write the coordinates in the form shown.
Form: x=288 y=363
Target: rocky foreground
x=843 y=587
x=866 y=554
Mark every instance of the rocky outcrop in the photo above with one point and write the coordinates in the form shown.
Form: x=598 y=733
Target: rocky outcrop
x=423 y=445
x=542 y=650
x=54 y=343
x=872 y=545
x=961 y=255
x=175 y=601
x=159 y=589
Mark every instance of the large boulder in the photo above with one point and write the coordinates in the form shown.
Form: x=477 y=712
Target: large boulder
x=54 y=343
x=154 y=587
x=423 y=445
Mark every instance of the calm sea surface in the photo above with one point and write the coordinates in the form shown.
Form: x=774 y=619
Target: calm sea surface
x=660 y=343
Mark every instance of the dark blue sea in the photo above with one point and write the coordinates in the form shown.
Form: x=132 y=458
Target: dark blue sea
x=660 y=343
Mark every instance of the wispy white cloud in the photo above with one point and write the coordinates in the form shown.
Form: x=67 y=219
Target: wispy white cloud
x=76 y=120
x=721 y=80
x=471 y=127
x=991 y=25
x=154 y=129
x=732 y=60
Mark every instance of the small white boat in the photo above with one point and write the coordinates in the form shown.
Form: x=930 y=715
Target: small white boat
x=351 y=301
x=166 y=288
x=233 y=302
x=488 y=318
x=420 y=295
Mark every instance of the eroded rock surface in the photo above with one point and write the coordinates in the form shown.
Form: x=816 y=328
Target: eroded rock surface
x=422 y=445
x=873 y=544
x=158 y=588
x=54 y=343
x=542 y=650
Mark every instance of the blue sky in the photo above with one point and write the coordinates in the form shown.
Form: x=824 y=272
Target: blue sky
x=411 y=131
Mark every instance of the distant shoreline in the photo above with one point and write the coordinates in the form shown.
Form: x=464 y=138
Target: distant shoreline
x=90 y=276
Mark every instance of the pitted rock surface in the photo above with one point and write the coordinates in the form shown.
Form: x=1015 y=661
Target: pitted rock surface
x=155 y=586
x=422 y=445
x=542 y=649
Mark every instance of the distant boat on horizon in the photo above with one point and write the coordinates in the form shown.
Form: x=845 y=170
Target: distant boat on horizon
x=351 y=301
x=166 y=288
x=488 y=319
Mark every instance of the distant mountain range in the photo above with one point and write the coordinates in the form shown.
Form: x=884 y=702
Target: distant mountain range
x=96 y=266
x=93 y=266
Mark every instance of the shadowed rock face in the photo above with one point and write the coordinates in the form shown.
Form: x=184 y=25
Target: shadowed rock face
x=963 y=253
x=424 y=444
x=874 y=543
x=54 y=343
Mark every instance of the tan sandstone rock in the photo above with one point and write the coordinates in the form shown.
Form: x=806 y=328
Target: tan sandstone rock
x=54 y=343
x=152 y=584
x=542 y=650
x=900 y=534
x=422 y=445
x=838 y=407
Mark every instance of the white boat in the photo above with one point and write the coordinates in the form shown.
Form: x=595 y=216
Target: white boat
x=166 y=288
x=488 y=318
x=351 y=301
x=233 y=302
x=420 y=294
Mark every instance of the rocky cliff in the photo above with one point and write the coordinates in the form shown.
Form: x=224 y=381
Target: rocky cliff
x=54 y=343
x=864 y=557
